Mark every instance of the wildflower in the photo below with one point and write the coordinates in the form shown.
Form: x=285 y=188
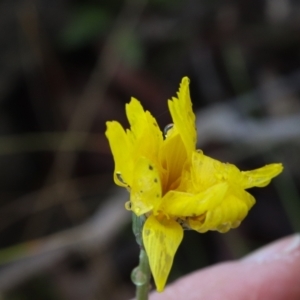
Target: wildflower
x=175 y=185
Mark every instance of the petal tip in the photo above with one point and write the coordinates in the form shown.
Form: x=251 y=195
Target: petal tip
x=185 y=80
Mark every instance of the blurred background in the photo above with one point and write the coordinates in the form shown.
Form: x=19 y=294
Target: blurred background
x=69 y=66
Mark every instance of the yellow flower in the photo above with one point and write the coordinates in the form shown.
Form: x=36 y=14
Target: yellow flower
x=175 y=185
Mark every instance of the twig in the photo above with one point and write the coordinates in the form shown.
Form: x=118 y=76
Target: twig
x=38 y=255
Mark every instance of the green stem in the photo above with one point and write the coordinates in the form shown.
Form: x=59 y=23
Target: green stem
x=141 y=275
x=142 y=288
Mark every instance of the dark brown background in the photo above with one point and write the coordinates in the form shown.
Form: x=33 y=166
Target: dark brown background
x=69 y=66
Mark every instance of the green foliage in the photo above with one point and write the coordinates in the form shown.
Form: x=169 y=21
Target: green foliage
x=86 y=24
x=128 y=47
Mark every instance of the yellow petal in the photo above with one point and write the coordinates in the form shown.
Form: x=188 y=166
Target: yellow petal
x=183 y=204
x=183 y=115
x=122 y=152
x=145 y=194
x=229 y=214
x=172 y=158
x=260 y=177
x=161 y=240
x=207 y=171
x=144 y=131
x=136 y=115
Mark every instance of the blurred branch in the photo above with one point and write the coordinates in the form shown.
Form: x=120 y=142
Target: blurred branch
x=231 y=123
x=50 y=141
x=36 y=256
x=24 y=206
x=222 y=123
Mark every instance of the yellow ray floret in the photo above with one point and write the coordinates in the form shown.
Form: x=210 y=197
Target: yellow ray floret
x=174 y=185
x=145 y=194
x=183 y=116
x=161 y=239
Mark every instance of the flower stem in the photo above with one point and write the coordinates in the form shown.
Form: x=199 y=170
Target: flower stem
x=141 y=275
